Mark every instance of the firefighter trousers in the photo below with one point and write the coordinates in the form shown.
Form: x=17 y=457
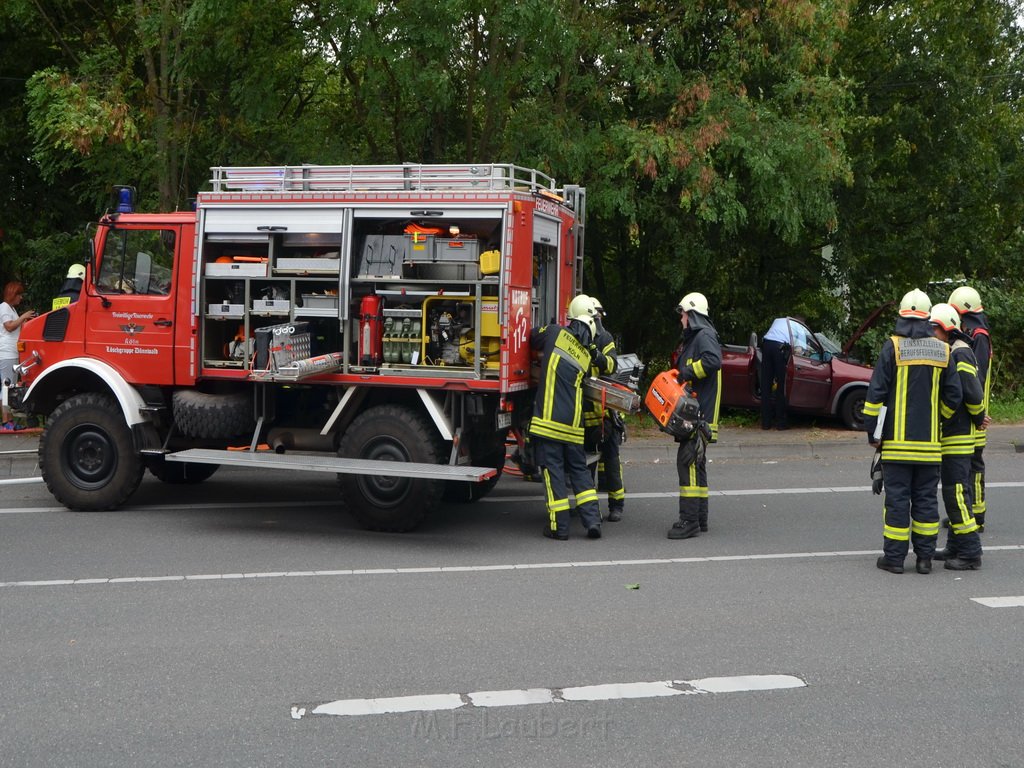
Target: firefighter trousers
x=911 y=509
x=978 y=485
x=692 y=468
x=609 y=466
x=957 y=496
x=564 y=465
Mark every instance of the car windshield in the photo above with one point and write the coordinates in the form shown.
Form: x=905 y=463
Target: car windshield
x=828 y=344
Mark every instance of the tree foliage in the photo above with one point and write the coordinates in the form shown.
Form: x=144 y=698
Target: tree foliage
x=782 y=156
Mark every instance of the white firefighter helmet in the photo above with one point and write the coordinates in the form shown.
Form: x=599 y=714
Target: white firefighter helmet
x=693 y=302
x=946 y=317
x=76 y=271
x=581 y=305
x=915 y=304
x=598 y=308
x=966 y=299
x=588 y=320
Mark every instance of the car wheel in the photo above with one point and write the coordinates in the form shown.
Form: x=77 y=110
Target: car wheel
x=851 y=410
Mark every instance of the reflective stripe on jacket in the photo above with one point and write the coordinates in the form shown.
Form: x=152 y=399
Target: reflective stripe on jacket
x=916 y=384
x=558 y=407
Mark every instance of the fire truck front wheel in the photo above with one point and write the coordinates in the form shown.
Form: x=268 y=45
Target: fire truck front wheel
x=385 y=502
x=86 y=454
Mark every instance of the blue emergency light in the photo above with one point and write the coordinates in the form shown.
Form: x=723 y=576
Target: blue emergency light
x=125 y=199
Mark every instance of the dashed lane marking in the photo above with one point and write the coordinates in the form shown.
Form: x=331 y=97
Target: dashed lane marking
x=1000 y=602
x=448 y=568
x=530 y=696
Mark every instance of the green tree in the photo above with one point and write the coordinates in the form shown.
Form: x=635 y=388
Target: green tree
x=936 y=148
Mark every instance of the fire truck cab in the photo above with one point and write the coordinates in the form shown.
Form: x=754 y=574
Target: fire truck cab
x=370 y=321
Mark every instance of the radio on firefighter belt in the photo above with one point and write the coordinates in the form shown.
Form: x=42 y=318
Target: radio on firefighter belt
x=674 y=406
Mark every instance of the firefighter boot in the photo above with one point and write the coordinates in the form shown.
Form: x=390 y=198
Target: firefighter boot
x=963 y=564
x=949 y=552
x=614 y=514
x=684 y=529
x=924 y=565
x=889 y=565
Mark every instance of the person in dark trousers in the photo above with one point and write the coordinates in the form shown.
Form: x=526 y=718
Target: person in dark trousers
x=974 y=323
x=698 y=359
x=963 y=545
x=775 y=351
x=556 y=428
x=914 y=384
x=604 y=427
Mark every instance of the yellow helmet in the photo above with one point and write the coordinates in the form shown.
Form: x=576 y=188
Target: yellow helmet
x=693 y=302
x=946 y=317
x=966 y=299
x=582 y=304
x=915 y=304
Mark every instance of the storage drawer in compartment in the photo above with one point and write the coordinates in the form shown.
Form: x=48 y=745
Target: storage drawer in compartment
x=225 y=310
x=319 y=301
x=307 y=265
x=271 y=306
x=236 y=269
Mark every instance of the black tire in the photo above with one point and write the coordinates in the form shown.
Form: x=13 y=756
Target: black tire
x=460 y=492
x=86 y=454
x=390 y=433
x=851 y=409
x=178 y=472
x=213 y=416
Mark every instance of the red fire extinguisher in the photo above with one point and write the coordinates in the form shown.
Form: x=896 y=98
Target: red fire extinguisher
x=371 y=330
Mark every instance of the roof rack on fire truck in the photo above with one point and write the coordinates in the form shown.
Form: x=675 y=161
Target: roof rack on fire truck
x=407 y=176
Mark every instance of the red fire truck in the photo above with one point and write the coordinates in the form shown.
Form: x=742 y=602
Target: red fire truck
x=370 y=321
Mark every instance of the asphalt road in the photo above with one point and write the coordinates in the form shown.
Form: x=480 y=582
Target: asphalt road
x=214 y=622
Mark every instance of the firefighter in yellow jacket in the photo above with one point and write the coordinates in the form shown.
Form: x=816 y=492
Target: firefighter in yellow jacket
x=974 y=323
x=915 y=386
x=556 y=428
x=963 y=546
x=603 y=428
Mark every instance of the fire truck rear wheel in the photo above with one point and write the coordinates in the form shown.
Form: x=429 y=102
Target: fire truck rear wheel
x=213 y=416
x=178 y=472
x=86 y=454
x=384 y=502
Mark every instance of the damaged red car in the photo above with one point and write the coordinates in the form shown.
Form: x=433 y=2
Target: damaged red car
x=821 y=379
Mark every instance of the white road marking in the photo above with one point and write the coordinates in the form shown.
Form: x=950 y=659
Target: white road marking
x=445 y=569
x=736 y=492
x=21 y=481
x=1000 y=602
x=519 y=698
x=486 y=500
